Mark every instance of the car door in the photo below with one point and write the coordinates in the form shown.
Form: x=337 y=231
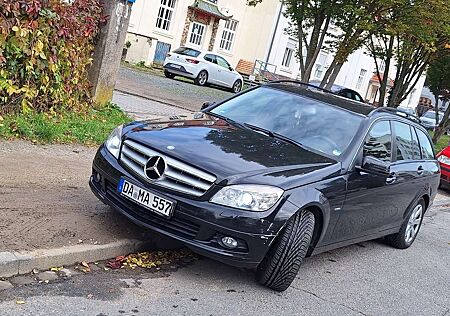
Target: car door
x=226 y=76
x=212 y=68
x=370 y=201
x=406 y=169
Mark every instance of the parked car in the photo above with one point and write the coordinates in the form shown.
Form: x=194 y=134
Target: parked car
x=429 y=119
x=266 y=178
x=203 y=67
x=342 y=91
x=444 y=160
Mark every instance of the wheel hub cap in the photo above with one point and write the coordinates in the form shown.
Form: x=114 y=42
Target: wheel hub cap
x=413 y=223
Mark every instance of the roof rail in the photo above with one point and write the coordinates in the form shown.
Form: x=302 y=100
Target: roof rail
x=302 y=84
x=395 y=111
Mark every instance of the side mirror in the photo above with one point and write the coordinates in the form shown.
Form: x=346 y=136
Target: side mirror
x=206 y=105
x=374 y=165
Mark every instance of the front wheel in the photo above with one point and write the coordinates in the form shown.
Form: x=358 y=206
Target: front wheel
x=237 y=86
x=409 y=229
x=282 y=262
x=202 y=78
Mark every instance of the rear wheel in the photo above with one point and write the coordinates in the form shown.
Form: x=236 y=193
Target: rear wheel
x=237 y=86
x=282 y=262
x=202 y=78
x=409 y=229
x=169 y=74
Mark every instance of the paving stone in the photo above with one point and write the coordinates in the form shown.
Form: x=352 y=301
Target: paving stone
x=4 y=285
x=22 y=280
x=47 y=275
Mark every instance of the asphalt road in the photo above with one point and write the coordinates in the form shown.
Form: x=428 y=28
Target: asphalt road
x=370 y=278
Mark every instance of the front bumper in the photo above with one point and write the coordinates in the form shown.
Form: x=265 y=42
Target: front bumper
x=197 y=223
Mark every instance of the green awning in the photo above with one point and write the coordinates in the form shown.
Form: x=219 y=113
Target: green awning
x=208 y=8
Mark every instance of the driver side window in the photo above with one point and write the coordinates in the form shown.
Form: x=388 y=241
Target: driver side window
x=378 y=143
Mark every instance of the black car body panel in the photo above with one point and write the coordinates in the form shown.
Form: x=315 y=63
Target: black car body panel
x=349 y=205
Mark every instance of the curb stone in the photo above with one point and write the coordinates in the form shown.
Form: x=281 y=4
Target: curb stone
x=14 y=263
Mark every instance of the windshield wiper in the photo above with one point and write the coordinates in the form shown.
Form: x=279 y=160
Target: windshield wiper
x=273 y=134
x=226 y=119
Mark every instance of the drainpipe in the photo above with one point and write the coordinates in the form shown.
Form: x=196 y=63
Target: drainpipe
x=274 y=33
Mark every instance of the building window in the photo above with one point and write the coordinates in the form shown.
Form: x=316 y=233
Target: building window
x=287 y=57
x=228 y=34
x=320 y=66
x=197 y=32
x=165 y=14
x=361 y=78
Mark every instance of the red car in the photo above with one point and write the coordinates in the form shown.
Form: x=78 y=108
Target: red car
x=444 y=161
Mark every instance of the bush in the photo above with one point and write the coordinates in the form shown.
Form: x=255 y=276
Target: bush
x=45 y=51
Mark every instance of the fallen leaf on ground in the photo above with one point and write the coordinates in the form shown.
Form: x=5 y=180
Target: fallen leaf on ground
x=86 y=265
x=20 y=302
x=56 y=269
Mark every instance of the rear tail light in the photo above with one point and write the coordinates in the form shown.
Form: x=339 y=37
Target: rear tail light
x=192 y=61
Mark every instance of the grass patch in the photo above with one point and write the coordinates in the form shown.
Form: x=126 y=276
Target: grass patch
x=142 y=68
x=442 y=142
x=91 y=128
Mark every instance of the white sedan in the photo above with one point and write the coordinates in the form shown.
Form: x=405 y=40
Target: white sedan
x=203 y=67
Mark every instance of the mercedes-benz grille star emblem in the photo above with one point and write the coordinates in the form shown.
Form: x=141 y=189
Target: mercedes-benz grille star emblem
x=155 y=167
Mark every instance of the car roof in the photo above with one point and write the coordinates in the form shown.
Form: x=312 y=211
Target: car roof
x=322 y=95
x=329 y=97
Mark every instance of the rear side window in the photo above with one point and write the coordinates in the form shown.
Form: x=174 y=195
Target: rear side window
x=187 y=51
x=416 y=147
x=425 y=145
x=211 y=58
x=378 y=143
x=403 y=141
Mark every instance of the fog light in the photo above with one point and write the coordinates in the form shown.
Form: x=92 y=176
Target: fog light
x=229 y=242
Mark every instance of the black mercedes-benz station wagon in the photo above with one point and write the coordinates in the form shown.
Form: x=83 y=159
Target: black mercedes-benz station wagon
x=272 y=175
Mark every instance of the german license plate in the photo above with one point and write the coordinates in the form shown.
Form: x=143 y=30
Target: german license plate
x=175 y=66
x=145 y=198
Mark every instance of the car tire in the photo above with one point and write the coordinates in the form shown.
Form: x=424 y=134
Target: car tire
x=409 y=229
x=282 y=262
x=237 y=86
x=169 y=74
x=202 y=78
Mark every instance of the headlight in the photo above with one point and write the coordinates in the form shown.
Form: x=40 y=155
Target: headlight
x=444 y=159
x=113 y=142
x=250 y=197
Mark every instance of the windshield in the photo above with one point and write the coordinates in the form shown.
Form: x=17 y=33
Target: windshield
x=432 y=115
x=311 y=123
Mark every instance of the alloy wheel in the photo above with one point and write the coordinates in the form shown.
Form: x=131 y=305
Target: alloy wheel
x=202 y=78
x=237 y=87
x=413 y=223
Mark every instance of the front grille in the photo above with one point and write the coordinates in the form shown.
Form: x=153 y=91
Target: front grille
x=178 y=176
x=175 y=225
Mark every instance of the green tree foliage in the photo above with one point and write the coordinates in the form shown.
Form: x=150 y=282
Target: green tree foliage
x=45 y=51
x=408 y=35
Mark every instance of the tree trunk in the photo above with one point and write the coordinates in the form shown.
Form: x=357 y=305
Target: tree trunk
x=387 y=65
x=440 y=130
x=334 y=75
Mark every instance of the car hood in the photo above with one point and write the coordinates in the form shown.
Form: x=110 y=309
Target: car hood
x=232 y=153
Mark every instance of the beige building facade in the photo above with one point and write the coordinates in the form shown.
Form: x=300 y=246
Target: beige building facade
x=227 y=27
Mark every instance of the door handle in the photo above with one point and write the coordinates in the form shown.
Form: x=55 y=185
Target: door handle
x=420 y=170
x=391 y=178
